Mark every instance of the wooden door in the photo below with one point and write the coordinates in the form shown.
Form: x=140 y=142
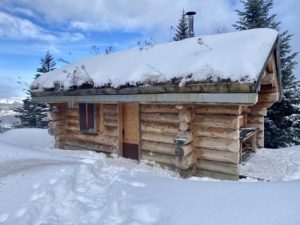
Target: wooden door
x=131 y=131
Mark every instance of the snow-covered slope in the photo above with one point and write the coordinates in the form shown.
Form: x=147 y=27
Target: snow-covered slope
x=7 y=115
x=41 y=185
x=238 y=56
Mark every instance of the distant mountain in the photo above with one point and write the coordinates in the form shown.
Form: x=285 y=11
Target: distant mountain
x=7 y=115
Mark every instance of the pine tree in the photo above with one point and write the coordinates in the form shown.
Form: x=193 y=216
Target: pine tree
x=282 y=124
x=182 y=28
x=47 y=64
x=32 y=114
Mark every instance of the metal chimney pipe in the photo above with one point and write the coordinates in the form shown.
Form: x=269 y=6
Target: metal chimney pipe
x=190 y=15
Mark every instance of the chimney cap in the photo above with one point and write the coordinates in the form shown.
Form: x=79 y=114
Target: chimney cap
x=190 y=13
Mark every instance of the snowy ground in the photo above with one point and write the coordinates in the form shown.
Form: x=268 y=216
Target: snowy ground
x=42 y=185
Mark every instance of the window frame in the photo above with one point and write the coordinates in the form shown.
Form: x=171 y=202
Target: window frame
x=87 y=128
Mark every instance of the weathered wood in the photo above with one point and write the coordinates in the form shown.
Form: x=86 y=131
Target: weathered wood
x=218 y=109
x=72 y=114
x=217 y=143
x=183 y=126
x=110 y=123
x=260 y=126
x=258 y=112
x=219 y=156
x=268 y=97
x=216 y=132
x=160 y=128
x=256 y=119
x=158 y=157
x=94 y=138
x=149 y=108
x=110 y=131
x=268 y=78
x=156 y=137
x=160 y=117
x=216 y=175
x=185 y=162
x=185 y=116
x=130 y=123
x=229 y=122
x=158 y=147
x=220 y=167
x=120 y=129
x=88 y=145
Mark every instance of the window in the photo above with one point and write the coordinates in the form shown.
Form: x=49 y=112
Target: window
x=87 y=116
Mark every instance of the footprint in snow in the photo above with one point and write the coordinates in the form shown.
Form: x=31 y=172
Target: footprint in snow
x=37 y=196
x=4 y=217
x=52 y=181
x=20 y=212
x=137 y=184
x=36 y=185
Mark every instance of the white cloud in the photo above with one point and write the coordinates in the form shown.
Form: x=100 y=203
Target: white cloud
x=17 y=28
x=131 y=15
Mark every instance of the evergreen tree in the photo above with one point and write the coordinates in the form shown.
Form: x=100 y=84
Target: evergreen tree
x=33 y=114
x=282 y=125
x=47 y=64
x=182 y=28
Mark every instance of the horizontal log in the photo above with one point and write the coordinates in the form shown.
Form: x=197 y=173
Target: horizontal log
x=93 y=138
x=223 y=121
x=110 y=118
x=185 y=116
x=219 y=156
x=160 y=117
x=148 y=108
x=156 y=137
x=227 y=168
x=185 y=162
x=160 y=128
x=268 y=97
x=89 y=146
x=268 y=78
x=260 y=126
x=110 y=107
x=216 y=175
x=217 y=144
x=158 y=147
x=216 y=132
x=72 y=114
x=159 y=158
x=110 y=123
x=256 y=119
x=261 y=105
x=183 y=126
x=111 y=131
x=258 y=112
x=218 y=109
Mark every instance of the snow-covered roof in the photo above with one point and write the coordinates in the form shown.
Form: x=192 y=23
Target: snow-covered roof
x=238 y=56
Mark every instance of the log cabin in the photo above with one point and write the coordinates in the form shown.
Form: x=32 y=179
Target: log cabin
x=196 y=106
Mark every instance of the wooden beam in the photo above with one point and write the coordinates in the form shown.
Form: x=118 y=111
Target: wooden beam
x=216 y=132
x=217 y=144
x=218 y=156
x=226 y=168
x=218 y=109
x=222 y=121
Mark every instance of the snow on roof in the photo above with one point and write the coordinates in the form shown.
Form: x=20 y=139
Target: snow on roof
x=238 y=56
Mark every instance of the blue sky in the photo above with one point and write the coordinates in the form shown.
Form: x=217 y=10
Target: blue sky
x=69 y=28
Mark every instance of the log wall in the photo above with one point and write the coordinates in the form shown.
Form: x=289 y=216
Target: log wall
x=216 y=143
x=67 y=129
x=160 y=125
